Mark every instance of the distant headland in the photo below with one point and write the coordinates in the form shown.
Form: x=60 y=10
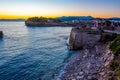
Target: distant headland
x=61 y=21
x=42 y=21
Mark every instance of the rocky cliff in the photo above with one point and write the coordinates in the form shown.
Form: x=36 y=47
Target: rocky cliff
x=79 y=39
x=90 y=63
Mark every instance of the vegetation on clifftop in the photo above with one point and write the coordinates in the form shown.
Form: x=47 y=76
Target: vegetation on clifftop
x=115 y=64
x=37 y=19
x=43 y=21
x=115 y=45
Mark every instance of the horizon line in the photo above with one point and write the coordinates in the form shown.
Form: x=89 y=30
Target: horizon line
x=9 y=18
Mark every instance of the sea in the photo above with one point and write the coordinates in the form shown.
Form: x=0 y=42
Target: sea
x=32 y=53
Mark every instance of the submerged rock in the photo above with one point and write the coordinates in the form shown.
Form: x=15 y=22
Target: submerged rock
x=1 y=34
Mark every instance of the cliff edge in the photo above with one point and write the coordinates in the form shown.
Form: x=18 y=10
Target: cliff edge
x=93 y=61
x=79 y=39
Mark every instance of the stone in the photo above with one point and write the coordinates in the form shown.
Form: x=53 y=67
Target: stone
x=102 y=73
x=80 y=73
x=1 y=34
x=89 y=77
x=73 y=79
x=80 y=77
x=107 y=63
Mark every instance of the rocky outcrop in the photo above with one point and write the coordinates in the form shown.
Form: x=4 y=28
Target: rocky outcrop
x=1 y=34
x=79 y=39
x=92 y=62
x=89 y=64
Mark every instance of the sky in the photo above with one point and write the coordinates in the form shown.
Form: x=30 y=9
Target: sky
x=11 y=9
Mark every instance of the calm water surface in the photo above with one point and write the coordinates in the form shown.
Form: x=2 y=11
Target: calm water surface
x=28 y=53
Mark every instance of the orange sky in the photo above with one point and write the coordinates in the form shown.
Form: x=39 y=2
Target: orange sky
x=12 y=9
x=7 y=16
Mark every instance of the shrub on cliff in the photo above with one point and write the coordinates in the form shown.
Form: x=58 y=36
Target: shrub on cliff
x=108 y=23
x=43 y=19
x=107 y=37
x=110 y=37
x=114 y=65
x=115 y=45
x=37 y=19
x=118 y=73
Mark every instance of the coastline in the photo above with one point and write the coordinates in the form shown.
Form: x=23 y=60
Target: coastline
x=92 y=61
x=28 y=23
x=89 y=64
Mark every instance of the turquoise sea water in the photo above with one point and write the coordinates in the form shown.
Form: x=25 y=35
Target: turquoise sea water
x=30 y=53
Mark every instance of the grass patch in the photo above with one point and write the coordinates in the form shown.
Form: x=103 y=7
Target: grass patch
x=118 y=73
x=115 y=45
x=114 y=65
x=108 y=37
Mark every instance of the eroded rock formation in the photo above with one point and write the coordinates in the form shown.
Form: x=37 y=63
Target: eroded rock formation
x=79 y=39
x=92 y=62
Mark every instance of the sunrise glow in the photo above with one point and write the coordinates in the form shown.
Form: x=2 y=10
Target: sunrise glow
x=10 y=9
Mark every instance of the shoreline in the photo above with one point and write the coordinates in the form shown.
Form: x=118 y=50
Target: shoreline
x=88 y=65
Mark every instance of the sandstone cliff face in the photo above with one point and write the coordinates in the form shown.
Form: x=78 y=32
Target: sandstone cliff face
x=78 y=39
